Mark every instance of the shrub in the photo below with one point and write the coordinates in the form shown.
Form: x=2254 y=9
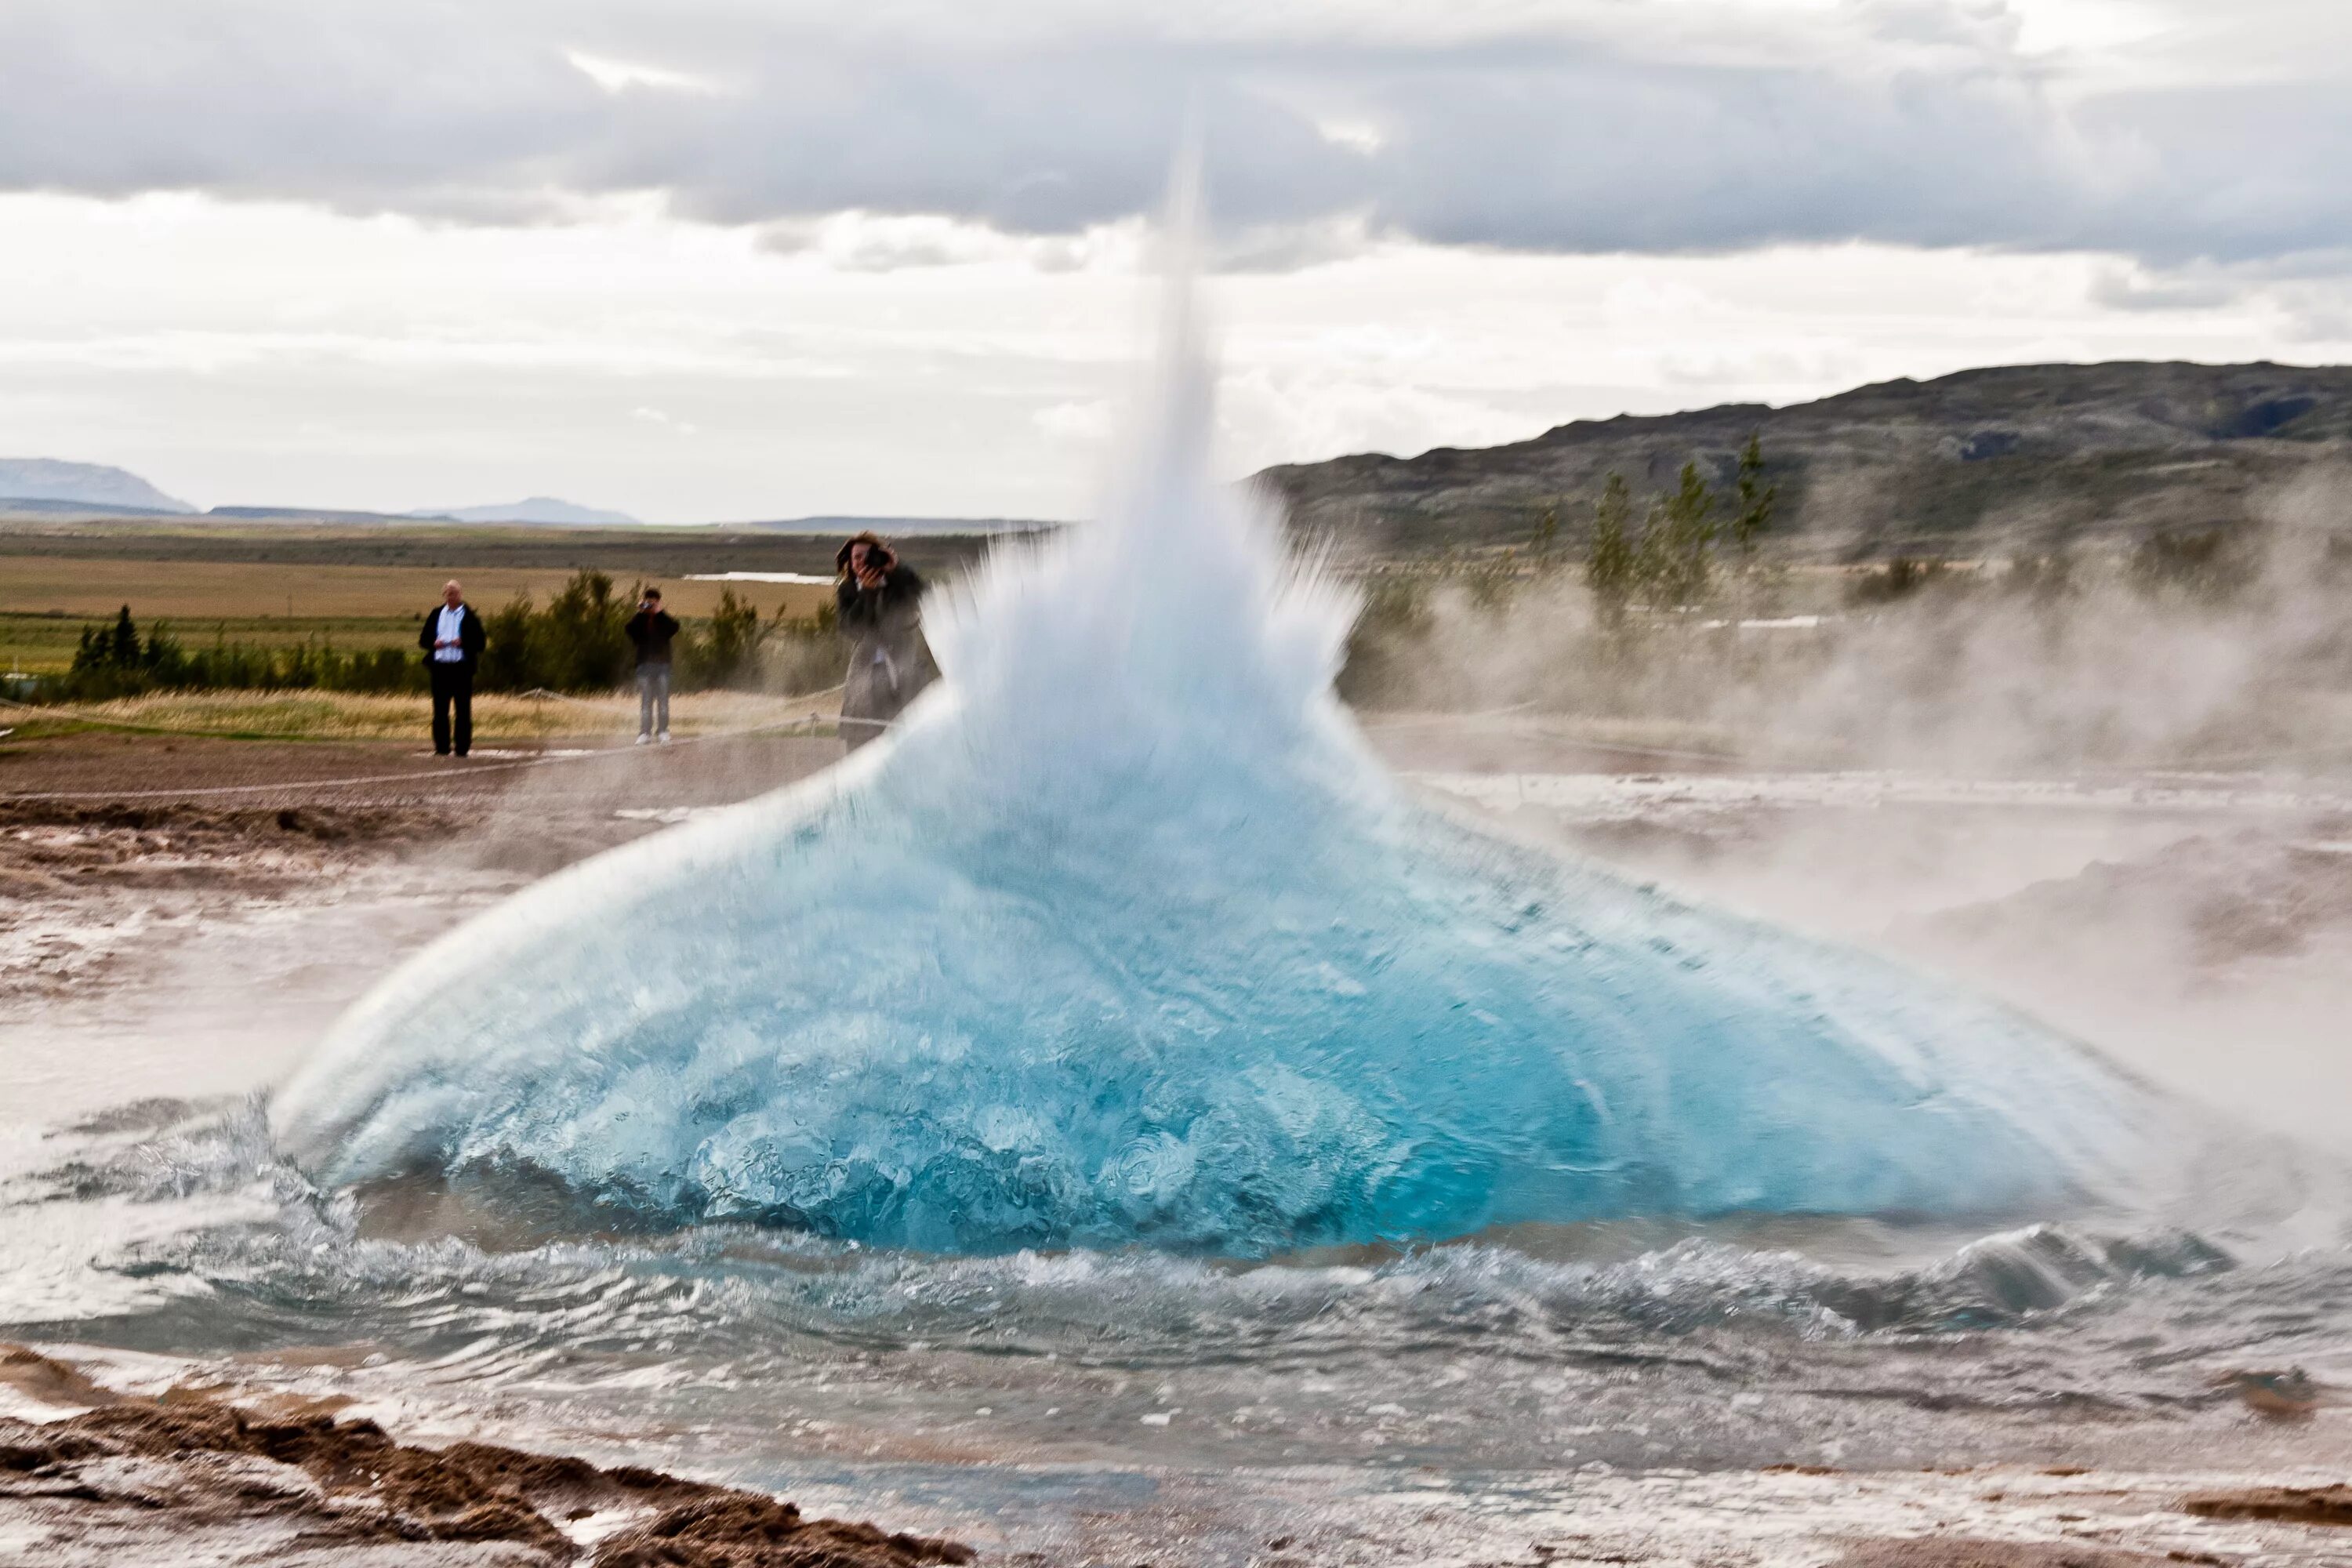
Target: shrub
x=2210 y=563
x=116 y=661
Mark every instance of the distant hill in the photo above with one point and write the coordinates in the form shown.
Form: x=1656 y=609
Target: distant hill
x=299 y=514
x=892 y=527
x=2018 y=458
x=535 y=509
x=94 y=486
x=76 y=511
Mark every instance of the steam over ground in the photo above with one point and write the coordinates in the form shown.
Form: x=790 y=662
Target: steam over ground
x=2187 y=651
x=2108 y=787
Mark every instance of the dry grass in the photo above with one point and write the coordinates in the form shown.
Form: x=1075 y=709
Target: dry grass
x=345 y=716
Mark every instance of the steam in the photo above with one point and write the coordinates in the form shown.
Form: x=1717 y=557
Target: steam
x=2036 y=664
x=1122 y=937
x=2165 y=866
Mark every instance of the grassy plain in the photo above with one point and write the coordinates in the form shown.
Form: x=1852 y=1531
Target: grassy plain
x=54 y=582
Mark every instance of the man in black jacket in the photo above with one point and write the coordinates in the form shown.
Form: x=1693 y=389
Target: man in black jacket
x=452 y=640
x=652 y=630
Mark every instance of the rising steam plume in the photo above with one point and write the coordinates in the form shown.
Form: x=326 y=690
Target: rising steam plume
x=1124 y=937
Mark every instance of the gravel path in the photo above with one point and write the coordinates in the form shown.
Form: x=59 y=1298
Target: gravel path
x=96 y=767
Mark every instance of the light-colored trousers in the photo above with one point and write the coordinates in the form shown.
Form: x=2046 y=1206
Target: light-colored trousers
x=653 y=688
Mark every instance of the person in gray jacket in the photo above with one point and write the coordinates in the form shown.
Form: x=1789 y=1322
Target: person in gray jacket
x=877 y=599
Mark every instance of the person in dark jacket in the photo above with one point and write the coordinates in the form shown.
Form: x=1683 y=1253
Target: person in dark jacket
x=877 y=599
x=452 y=639
x=652 y=630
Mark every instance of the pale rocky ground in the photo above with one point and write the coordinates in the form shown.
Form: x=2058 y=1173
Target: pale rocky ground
x=2198 y=930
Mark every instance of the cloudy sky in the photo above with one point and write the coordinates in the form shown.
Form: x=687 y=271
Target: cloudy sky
x=742 y=258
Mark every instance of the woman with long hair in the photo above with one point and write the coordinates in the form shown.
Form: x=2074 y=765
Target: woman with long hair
x=876 y=597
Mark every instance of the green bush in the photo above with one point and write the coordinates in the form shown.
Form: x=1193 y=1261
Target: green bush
x=2210 y=563
x=726 y=652
x=576 y=644
x=580 y=643
x=116 y=661
x=1389 y=635
x=1897 y=579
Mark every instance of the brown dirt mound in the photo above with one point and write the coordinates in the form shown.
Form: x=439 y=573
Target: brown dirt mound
x=2287 y=1505
x=348 y=1481
x=328 y=823
x=51 y=1381
x=736 y=1530
x=1945 y=1553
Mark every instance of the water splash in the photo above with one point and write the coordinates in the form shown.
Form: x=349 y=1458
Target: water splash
x=1124 y=937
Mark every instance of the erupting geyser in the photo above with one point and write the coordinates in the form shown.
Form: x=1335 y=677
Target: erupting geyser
x=1124 y=937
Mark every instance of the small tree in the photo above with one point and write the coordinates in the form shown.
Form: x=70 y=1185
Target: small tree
x=1675 y=564
x=165 y=658
x=1609 y=568
x=122 y=642
x=577 y=643
x=1544 y=546
x=506 y=648
x=108 y=662
x=727 y=652
x=1753 y=515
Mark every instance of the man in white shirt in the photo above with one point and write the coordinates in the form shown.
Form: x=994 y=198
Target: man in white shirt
x=452 y=639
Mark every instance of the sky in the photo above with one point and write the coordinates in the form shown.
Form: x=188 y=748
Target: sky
x=735 y=259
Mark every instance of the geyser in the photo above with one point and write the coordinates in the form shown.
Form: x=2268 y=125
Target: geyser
x=1124 y=937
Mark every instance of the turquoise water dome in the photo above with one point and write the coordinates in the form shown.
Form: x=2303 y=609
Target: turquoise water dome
x=1123 y=937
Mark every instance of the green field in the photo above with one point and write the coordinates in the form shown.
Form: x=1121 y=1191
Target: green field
x=364 y=586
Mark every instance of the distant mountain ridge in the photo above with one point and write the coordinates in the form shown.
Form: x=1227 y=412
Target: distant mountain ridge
x=534 y=508
x=59 y=485
x=892 y=526
x=2011 y=457
x=2020 y=458
x=42 y=487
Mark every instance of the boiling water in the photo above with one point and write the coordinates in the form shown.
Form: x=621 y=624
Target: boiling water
x=1125 y=939
x=1110 y=1116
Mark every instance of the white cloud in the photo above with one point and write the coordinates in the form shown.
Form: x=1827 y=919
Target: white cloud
x=2124 y=286
x=1574 y=126
x=619 y=76
x=888 y=259
x=1085 y=422
x=1357 y=135
x=288 y=354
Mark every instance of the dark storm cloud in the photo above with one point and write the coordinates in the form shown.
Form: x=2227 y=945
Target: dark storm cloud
x=1921 y=125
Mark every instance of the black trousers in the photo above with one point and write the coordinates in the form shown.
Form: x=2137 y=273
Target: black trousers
x=453 y=686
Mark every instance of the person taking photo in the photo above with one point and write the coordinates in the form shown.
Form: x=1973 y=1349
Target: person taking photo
x=651 y=631
x=876 y=598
